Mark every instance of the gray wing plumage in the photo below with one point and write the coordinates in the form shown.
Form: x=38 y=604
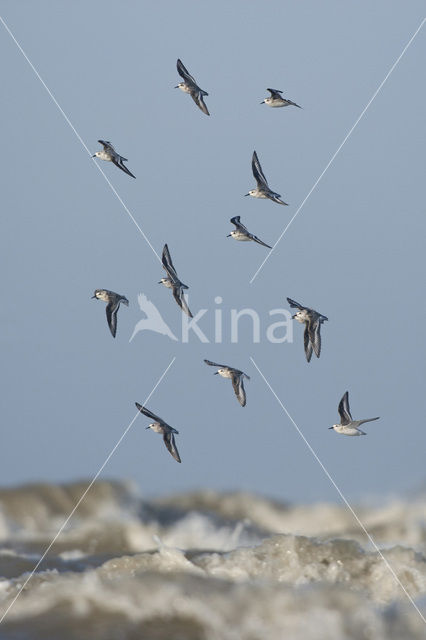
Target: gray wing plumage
x=314 y=328
x=184 y=73
x=257 y=171
x=239 y=225
x=146 y=412
x=256 y=239
x=307 y=343
x=296 y=305
x=344 y=411
x=180 y=299
x=238 y=386
x=118 y=161
x=169 y=441
x=111 y=314
x=275 y=93
x=215 y=364
x=199 y=101
x=107 y=145
x=168 y=264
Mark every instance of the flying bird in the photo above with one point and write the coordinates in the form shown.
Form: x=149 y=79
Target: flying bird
x=236 y=376
x=262 y=190
x=312 y=321
x=190 y=86
x=109 y=154
x=243 y=234
x=172 y=281
x=113 y=301
x=348 y=426
x=159 y=426
x=276 y=100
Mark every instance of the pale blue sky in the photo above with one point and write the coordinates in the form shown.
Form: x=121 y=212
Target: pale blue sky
x=355 y=252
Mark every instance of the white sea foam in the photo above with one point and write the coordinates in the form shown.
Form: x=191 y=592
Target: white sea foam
x=208 y=566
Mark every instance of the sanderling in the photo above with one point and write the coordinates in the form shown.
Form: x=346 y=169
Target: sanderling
x=190 y=86
x=276 y=100
x=312 y=321
x=243 y=234
x=109 y=154
x=159 y=426
x=173 y=282
x=113 y=300
x=348 y=426
x=262 y=190
x=236 y=376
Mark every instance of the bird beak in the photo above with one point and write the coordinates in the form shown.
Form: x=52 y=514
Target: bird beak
x=94 y=155
x=215 y=373
x=92 y=297
x=246 y=194
x=159 y=282
x=229 y=235
x=177 y=87
x=148 y=427
x=262 y=102
x=293 y=317
x=330 y=427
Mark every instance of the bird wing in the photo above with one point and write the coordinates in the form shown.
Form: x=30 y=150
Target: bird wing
x=344 y=411
x=146 y=412
x=275 y=93
x=215 y=364
x=275 y=197
x=239 y=225
x=296 y=305
x=307 y=343
x=257 y=171
x=166 y=259
x=314 y=335
x=118 y=161
x=107 y=145
x=238 y=385
x=199 y=101
x=294 y=104
x=111 y=314
x=169 y=441
x=256 y=239
x=184 y=73
x=180 y=299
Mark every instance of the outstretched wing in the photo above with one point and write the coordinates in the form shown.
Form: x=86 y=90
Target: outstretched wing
x=107 y=145
x=256 y=239
x=296 y=305
x=315 y=335
x=146 y=412
x=257 y=171
x=118 y=161
x=215 y=364
x=199 y=101
x=111 y=314
x=238 y=385
x=344 y=411
x=184 y=73
x=166 y=259
x=180 y=299
x=236 y=220
x=275 y=93
x=169 y=441
x=307 y=343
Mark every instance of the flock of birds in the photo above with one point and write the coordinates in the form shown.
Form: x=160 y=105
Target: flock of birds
x=309 y=317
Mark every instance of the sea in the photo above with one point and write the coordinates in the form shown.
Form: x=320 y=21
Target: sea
x=207 y=565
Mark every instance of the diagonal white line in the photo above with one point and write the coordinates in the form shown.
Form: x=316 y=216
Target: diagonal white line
x=339 y=148
x=79 y=137
x=80 y=500
x=370 y=538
